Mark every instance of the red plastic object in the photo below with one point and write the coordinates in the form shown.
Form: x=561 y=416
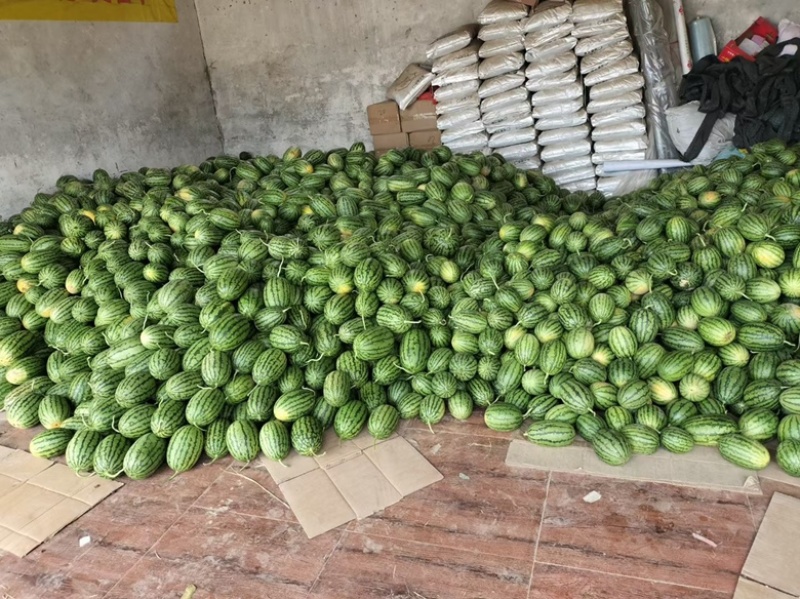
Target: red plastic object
x=427 y=95
x=760 y=28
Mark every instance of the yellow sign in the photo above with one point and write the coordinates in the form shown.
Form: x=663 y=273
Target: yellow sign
x=152 y=11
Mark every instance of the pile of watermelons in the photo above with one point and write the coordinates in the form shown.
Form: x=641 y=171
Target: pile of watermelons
x=247 y=304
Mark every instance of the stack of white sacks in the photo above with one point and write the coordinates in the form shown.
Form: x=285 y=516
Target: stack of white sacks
x=611 y=73
x=455 y=65
x=558 y=96
x=504 y=102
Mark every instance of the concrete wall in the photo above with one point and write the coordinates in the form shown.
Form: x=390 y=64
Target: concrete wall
x=302 y=72
x=78 y=96
x=731 y=17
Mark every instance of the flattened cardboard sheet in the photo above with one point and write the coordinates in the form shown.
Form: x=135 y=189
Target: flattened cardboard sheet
x=39 y=497
x=702 y=467
x=772 y=561
x=363 y=486
x=750 y=589
x=404 y=466
x=316 y=502
x=350 y=479
x=774 y=472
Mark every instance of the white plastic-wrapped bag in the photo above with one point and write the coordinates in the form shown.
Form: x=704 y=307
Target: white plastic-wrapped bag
x=555 y=136
x=627 y=66
x=567 y=164
x=557 y=64
x=624 y=115
x=550 y=13
x=621 y=145
x=501 y=100
x=455 y=119
x=503 y=83
x=606 y=56
x=502 y=46
x=529 y=164
x=625 y=182
x=541 y=53
x=470 y=143
x=456 y=90
x=517 y=109
x=500 y=65
x=520 y=121
x=550 y=81
x=567 y=149
x=587 y=185
x=456 y=104
x=608 y=185
x=683 y=123
x=617 y=102
x=519 y=151
x=469 y=73
x=558 y=94
x=450 y=135
x=512 y=137
x=593 y=28
x=562 y=122
x=410 y=85
x=619 y=131
x=598 y=42
x=545 y=111
x=501 y=10
x=452 y=42
x=545 y=36
x=571 y=176
x=617 y=156
x=499 y=30
x=595 y=10
x=620 y=85
x=458 y=59
x=788 y=30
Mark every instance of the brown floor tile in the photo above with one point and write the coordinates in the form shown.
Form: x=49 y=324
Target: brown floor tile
x=138 y=514
x=232 y=492
x=464 y=453
x=558 y=582
x=367 y=567
x=473 y=426
x=182 y=490
x=481 y=506
x=103 y=566
x=229 y=555
x=645 y=530
x=21 y=578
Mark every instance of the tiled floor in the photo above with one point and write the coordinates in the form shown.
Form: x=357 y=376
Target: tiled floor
x=484 y=532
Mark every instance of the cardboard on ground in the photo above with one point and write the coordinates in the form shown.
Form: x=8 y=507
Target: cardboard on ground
x=350 y=479
x=702 y=467
x=39 y=497
x=771 y=571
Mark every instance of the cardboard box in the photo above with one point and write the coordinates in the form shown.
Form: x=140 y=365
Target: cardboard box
x=384 y=118
x=390 y=141
x=425 y=140
x=420 y=116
